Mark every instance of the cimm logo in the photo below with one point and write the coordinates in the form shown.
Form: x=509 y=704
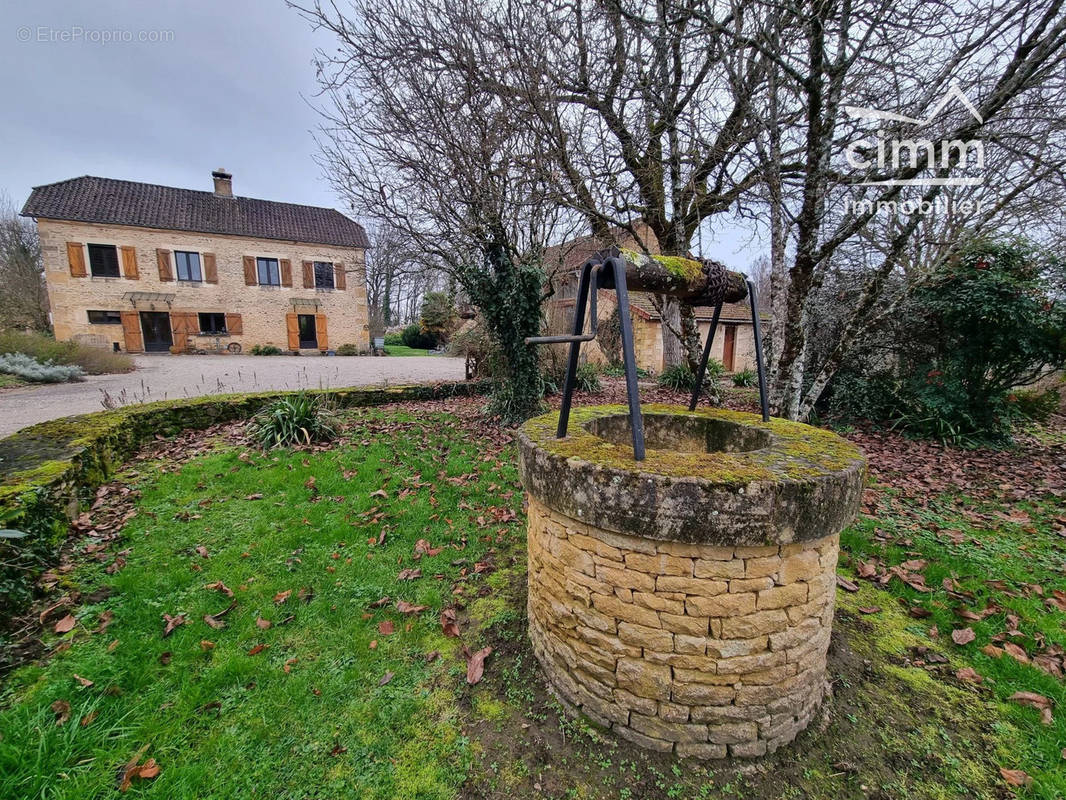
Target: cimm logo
x=888 y=154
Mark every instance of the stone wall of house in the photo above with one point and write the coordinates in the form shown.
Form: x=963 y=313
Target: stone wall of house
x=262 y=309
x=706 y=651
x=648 y=337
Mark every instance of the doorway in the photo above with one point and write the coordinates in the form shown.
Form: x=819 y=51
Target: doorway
x=155 y=326
x=729 y=345
x=308 y=336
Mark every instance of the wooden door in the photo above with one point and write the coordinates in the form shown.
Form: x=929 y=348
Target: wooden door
x=729 y=345
x=155 y=326
x=131 y=331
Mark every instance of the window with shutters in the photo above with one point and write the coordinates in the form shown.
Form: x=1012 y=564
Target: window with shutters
x=268 y=271
x=103 y=260
x=105 y=317
x=188 y=265
x=324 y=275
x=212 y=323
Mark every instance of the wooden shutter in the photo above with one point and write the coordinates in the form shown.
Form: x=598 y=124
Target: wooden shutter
x=210 y=268
x=163 y=257
x=182 y=324
x=129 y=263
x=249 y=271
x=320 y=332
x=131 y=331
x=338 y=277
x=286 y=272
x=76 y=259
x=292 y=325
x=309 y=275
x=234 y=324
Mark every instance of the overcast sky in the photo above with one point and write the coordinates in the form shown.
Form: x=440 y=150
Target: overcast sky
x=216 y=83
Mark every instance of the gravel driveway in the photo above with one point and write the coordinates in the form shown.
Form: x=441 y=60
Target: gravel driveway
x=165 y=377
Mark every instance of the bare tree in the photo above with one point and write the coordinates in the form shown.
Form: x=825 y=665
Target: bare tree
x=825 y=215
x=414 y=137
x=23 y=297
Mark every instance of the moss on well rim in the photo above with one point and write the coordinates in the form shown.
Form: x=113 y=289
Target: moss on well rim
x=798 y=451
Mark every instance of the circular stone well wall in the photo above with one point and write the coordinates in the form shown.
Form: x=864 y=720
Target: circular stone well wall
x=686 y=602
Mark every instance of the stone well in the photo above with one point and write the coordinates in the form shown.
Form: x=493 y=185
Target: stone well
x=686 y=601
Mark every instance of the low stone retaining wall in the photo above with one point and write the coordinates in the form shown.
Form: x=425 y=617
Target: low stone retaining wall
x=687 y=613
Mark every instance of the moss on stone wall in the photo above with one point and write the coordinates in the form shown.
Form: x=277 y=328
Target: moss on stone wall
x=49 y=469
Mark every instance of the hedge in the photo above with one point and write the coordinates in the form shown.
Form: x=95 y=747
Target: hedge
x=50 y=470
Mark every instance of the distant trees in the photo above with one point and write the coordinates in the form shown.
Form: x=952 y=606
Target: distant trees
x=483 y=131
x=23 y=298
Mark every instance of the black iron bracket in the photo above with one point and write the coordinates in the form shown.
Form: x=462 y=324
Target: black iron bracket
x=596 y=274
x=753 y=297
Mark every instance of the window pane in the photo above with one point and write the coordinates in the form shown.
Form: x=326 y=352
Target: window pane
x=103 y=260
x=268 y=271
x=323 y=275
x=212 y=323
x=188 y=266
x=105 y=318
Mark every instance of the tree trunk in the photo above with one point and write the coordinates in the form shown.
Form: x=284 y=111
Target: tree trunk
x=671 y=331
x=690 y=337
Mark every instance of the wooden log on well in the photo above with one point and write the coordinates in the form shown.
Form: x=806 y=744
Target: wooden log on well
x=698 y=282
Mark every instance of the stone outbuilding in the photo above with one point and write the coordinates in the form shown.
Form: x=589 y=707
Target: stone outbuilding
x=139 y=267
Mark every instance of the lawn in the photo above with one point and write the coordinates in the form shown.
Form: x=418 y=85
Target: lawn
x=323 y=677
x=404 y=350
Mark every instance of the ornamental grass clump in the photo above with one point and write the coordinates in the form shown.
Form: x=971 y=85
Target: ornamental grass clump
x=298 y=420
x=30 y=369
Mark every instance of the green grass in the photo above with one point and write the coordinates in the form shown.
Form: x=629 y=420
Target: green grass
x=10 y=381
x=404 y=350
x=1009 y=557
x=222 y=723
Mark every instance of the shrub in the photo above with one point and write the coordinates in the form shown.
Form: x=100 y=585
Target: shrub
x=30 y=369
x=438 y=317
x=414 y=338
x=1035 y=405
x=476 y=347
x=682 y=379
x=586 y=379
x=265 y=350
x=393 y=339
x=93 y=360
x=744 y=378
x=619 y=371
x=347 y=350
x=297 y=420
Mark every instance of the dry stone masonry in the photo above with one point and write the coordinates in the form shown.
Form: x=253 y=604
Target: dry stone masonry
x=686 y=602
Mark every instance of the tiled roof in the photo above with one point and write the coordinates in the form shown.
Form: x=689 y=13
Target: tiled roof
x=147 y=205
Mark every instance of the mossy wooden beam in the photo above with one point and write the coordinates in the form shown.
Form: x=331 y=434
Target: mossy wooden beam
x=696 y=282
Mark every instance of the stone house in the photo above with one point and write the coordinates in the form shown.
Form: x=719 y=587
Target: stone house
x=145 y=268
x=734 y=341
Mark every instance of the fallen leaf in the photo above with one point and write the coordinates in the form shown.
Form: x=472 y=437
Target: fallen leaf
x=66 y=625
x=256 y=496
x=62 y=711
x=385 y=627
x=1015 y=777
x=262 y=624
x=422 y=547
x=1016 y=652
x=164 y=658
x=87 y=720
x=281 y=597
x=409 y=608
x=1037 y=701
x=380 y=493
x=106 y=618
x=83 y=681
x=409 y=574
x=131 y=770
x=217 y=624
x=968 y=674
x=259 y=648
x=206 y=644
x=448 y=622
x=388 y=676
x=172 y=623
x=202 y=551
x=846 y=585
x=869 y=609
x=963 y=636
x=219 y=586
x=475 y=666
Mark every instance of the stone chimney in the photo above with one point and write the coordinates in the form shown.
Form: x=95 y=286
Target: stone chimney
x=223 y=182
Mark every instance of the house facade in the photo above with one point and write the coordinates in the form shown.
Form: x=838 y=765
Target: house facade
x=144 y=268
x=734 y=340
